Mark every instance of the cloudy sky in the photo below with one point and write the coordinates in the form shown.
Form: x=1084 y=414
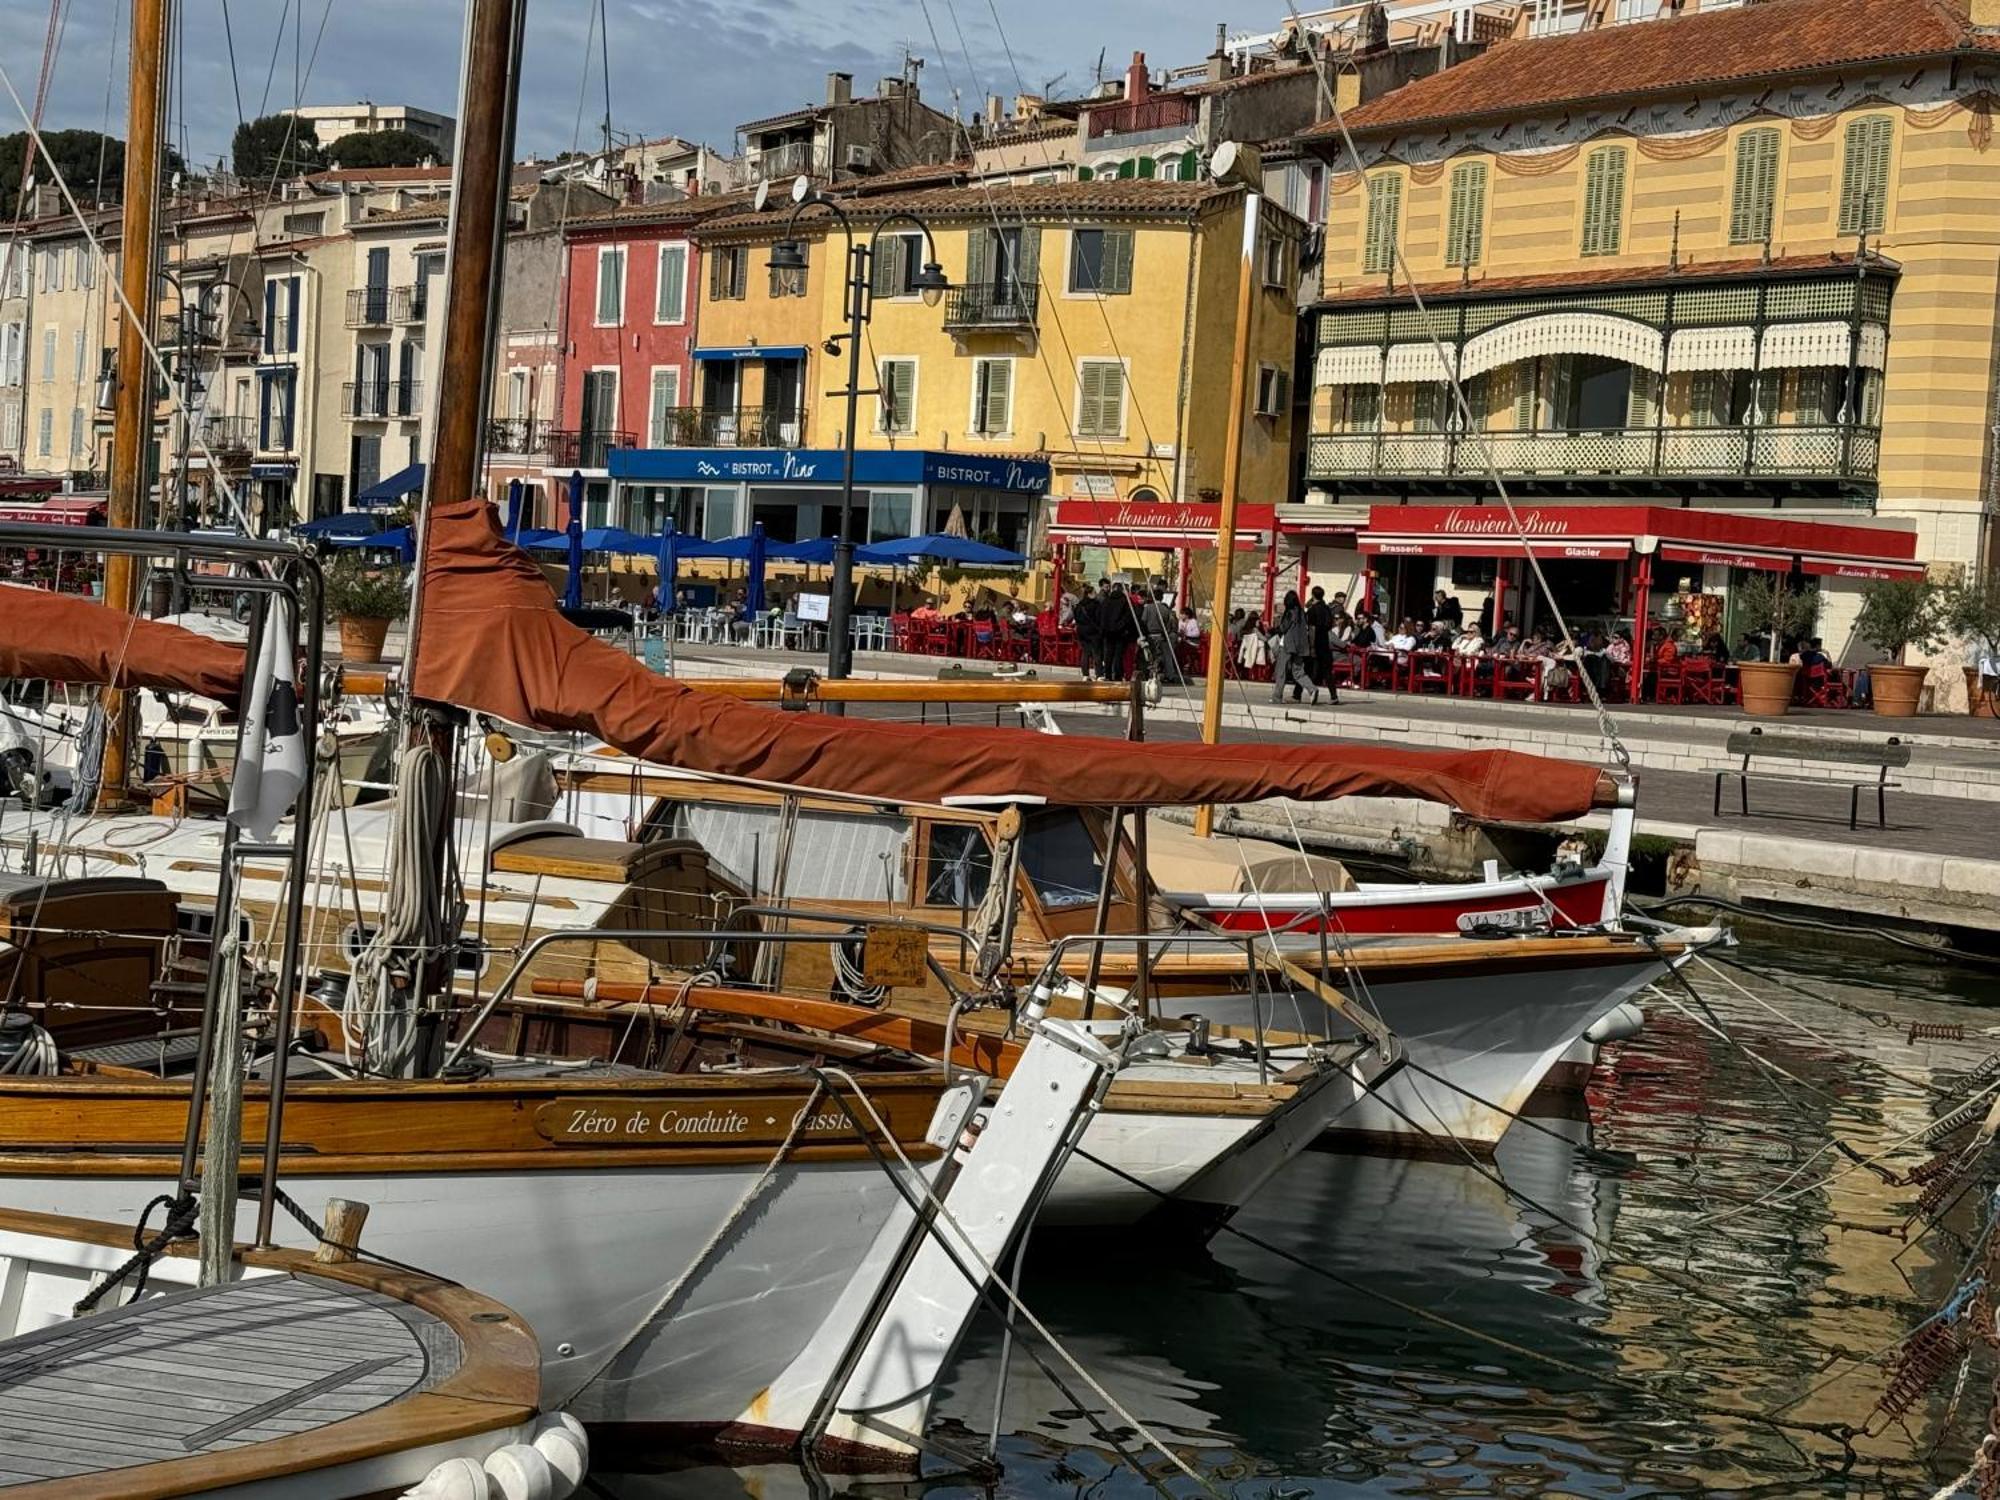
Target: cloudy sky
x=690 y=67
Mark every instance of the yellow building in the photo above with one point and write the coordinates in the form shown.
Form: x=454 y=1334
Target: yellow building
x=1738 y=265
x=1085 y=339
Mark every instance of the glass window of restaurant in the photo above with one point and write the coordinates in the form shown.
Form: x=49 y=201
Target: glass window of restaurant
x=892 y=514
x=1001 y=517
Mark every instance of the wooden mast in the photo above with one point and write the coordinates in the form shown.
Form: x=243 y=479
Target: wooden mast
x=132 y=430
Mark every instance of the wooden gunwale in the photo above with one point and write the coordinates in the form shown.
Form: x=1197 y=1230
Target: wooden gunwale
x=497 y=1386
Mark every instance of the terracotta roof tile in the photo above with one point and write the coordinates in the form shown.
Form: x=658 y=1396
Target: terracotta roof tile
x=429 y=208
x=1129 y=197
x=675 y=211
x=1601 y=276
x=1770 y=39
x=381 y=174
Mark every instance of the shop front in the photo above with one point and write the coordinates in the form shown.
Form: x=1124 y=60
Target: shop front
x=1166 y=539
x=1607 y=568
x=795 y=492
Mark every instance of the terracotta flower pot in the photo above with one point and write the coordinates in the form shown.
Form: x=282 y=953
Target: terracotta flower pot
x=362 y=639
x=1979 y=699
x=1767 y=686
x=1896 y=690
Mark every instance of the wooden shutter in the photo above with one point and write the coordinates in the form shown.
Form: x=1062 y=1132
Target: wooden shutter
x=292 y=316
x=1189 y=169
x=1028 y=263
x=1084 y=174
x=1096 y=408
x=1526 y=396
x=1385 y=205
x=1117 y=262
x=1642 y=404
x=978 y=256
x=1426 y=407
x=1704 y=399
x=1754 y=189
x=1604 y=201
x=996 y=392
x=1148 y=167
x=715 y=259
x=1864 y=177
x=1465 y=224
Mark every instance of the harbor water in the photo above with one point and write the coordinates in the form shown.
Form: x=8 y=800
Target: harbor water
x=1609 y=1309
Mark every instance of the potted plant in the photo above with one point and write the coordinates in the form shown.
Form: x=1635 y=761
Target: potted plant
x=1897 y=613
x=1971 y=611
x=1770 y=603
x=365 y=600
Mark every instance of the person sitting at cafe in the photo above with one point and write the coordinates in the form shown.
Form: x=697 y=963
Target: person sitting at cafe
x=1341 y=633
x=1468 y=642
x=1810 y=655
x=1190 y=623
x=1669 y=649
x=926 y=611
x=1751 y=647
x=1510 y=643
x=1405 y=638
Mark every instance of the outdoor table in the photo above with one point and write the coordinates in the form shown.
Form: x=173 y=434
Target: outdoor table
x=1427 y=670
x=1517 y=676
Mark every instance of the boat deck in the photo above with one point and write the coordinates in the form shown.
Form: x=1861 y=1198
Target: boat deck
x=194 y=1373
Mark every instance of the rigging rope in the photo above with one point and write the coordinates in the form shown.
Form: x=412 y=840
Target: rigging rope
x=381 y=992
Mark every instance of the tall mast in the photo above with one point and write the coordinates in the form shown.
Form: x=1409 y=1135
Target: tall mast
x=132 y=430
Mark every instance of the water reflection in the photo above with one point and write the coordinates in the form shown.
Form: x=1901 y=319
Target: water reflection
x=1274 y=1381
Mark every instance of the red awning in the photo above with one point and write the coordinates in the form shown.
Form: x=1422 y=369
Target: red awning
x=70 y=511
x=1155 y=525
x=1729 y=557
x=1581 y=551
x=1845 y=567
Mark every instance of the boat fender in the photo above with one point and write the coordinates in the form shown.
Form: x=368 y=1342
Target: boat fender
x=560 y=1439
x=1620 y=1024
x=454 y=1479
x=518 y=1472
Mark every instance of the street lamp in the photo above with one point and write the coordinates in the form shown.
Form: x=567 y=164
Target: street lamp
x=930 y=282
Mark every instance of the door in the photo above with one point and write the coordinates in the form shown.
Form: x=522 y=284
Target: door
x=378 y=285
x=781 y=401
x=600 y=416
x=718 y=401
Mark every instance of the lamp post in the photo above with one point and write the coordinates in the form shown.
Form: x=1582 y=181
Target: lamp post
x=929 y=282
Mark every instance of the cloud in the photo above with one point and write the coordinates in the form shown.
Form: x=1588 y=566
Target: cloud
x=695 y=68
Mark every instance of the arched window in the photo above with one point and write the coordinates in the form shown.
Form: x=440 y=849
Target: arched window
x=1145 y=494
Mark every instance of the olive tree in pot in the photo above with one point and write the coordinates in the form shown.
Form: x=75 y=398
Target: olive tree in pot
x=1897 y=613
x=1971 y=611
x=1783 y=613
x=366 y=601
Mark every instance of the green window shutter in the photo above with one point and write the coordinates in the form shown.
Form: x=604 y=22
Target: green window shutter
x=1864 y=177
x=886 y=275
x=1466 y=219
x=996 y=395
x=1117 y=262
x=1030 y=258
x=715 y=258
x=1111 y=392
x=1128 y=168
x=1385 y=208
x=1754 y=192
x=1084 y=174
x=1604 y=201
x=1190 y=167
x=1087 y=399
x=1101 y=398
x=978 y=248
x=1148 y=167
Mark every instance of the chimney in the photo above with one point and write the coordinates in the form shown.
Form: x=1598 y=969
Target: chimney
x=993 y=111
x=1138 y=87
x=1218 y=60
x=1374 y=29
x=839 y=88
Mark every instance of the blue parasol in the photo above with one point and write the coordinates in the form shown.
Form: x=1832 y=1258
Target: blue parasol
x=753 y=589
x=668 y=596
x=573 y=588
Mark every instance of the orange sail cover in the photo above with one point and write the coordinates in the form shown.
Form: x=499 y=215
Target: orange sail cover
x=492 y=639
x=64 y=638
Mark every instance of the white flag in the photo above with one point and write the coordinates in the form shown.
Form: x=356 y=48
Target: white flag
x=271 y=764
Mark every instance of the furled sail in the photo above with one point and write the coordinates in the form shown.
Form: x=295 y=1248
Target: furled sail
x=64 y=638
x=492 y=639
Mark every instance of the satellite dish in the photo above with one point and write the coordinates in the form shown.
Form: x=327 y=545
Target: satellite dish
x=763 y=198
x=802 y=188
x=598 y=169
x=1235 y=162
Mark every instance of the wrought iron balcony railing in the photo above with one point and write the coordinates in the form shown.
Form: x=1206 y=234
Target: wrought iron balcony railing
x=379 y=400
x=570 y=448
x=991 y=306
x=723 y=427
x=1782 y=451
x=517 y=435
x=374 y=306
x=224 y=434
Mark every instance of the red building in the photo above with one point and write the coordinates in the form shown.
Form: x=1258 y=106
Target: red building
x=627 y=329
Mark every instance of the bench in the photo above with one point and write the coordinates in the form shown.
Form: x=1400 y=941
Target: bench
x=1883 y=755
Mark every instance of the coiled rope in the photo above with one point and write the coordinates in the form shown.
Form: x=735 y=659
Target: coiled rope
x=382 y=991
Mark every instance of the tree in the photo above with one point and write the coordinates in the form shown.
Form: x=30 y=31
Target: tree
x=381 y=148
x=75 y=154
x=274 y=146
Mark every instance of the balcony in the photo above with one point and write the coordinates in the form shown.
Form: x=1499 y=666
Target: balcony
x=224 y=436
x=792 y=159
x=722 y=427
x=1167 y=112
x=380 y=400
x=1822 y=456
x=1002 y=307
x=517 y=435
x=409 y=304
x=573 y=449
x=371 y=306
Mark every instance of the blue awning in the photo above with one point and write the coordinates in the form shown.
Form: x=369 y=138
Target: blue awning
x=348 y=523
x=395 y=487
x=753 y=351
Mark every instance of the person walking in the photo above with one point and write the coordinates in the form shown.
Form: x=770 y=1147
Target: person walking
x=1319 y=620
x=1087 y=614
x=1118 y=626
x=1161 y=626
x=1292 y=648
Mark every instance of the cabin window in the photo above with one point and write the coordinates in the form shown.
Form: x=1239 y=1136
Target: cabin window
x=1061 y=859
x=958 y=866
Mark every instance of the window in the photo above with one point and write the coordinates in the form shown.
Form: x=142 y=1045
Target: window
x=958 y=866
x=76 y=355
x=517 y=393
x=299 y=225
x=670 y=299
x=13 y=349
x=896 y=405
x=1100 y=398
x=611 y=286
x=56 y=270
x=274 y=410
x=1821 y=397
x=1864 y=175
x=1756 y=186
x=728 y=272
x=1276 y=258
x=1357 y=408
x=1061 y=859
x=1274 y=391
x=48 y=354
x=662 y=428
x=790 y=281
x=1004 y=262
x=992 y=396
x=898 y=258
x=1100 y=261
x=86 y=268
x=10 y=427
x=75 y=431
x=1385 y=213
x=45 y=432
x=1465 y=221
x=1603 y=201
